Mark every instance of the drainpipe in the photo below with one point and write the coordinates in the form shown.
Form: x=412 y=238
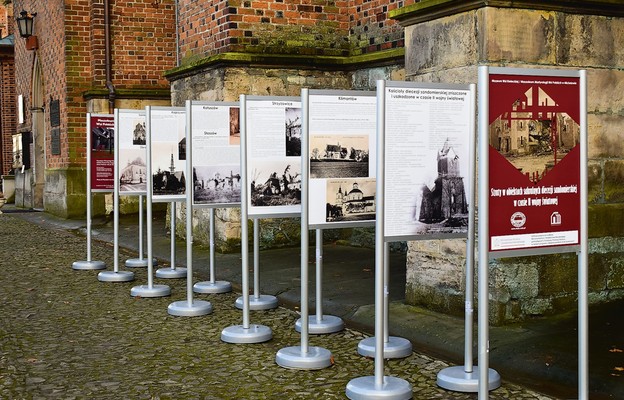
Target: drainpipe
x=109 y=82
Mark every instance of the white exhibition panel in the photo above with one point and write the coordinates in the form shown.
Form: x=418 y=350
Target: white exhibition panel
x=273 y=165
x=131 y=152
x=167 y=145
x=215 y=153
x=342 y=145
x=428 y=131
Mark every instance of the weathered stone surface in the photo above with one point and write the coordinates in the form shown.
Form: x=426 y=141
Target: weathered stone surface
x=606 y=136
x=605 y=91
x=595 y=192
x=589 y=40
x=517 y=36
x=441 y=44
x=614 y=181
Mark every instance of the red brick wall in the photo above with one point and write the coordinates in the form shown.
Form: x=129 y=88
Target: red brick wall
x=321 y=27
x=7 y=94
x=7 y=111
x=72 y=55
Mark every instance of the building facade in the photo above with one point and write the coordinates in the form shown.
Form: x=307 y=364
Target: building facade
x=97 y=55
x=89 y=56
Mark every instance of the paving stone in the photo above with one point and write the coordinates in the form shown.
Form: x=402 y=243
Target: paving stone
x=66 y=335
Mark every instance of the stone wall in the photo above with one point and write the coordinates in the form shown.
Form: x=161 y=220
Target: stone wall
x=227 y=84
x=445 y=44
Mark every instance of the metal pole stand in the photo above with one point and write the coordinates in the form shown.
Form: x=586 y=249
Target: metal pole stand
x=245 y=333
x=394 y=347
x=379 y=386
x=149 y=290
x=88 y=264
x=463 y=378
x=189 y=307
x=172 y=272
x=304 y=356
x=115 y=275
x=258 y=301
x=320 y=324
x=212 y=286
x=139 y=262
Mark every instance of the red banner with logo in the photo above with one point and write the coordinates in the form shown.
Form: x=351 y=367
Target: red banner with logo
x=534 y=162
x=102 y=152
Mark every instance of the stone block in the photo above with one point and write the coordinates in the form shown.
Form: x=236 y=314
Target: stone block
x=589 y=40
x=598 y=270
x=513 y=35
x=605 y=135
x=606 y=220
x=557 y=274
x=614 y=181
x=445 y=43
x=595 y=193
x=615 y=275
x=605 y=91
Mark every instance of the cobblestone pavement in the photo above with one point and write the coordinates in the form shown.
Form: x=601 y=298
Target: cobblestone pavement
x=65 y=335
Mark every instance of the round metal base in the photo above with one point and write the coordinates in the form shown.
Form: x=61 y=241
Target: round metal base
x=253 y=334
x=293 y=357
x=212 y=287
x=195 y=309
x=327 y=324
x=395 y=347
x=88 y=265
x=154 y=291
x=119 y=276
x=139 y=262
x=170 y=273
x=392 y=388
x=262 y=302
x=456 y=379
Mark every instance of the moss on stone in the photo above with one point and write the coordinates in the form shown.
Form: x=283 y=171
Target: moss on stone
x=606 y=220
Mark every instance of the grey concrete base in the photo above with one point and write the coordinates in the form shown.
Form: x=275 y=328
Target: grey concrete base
x=392 y=388
x=327 y=324
x=395 y=347
x=294 y=358
x=212 y=287
x=88 y=265
x=456 y=379
x=154 y=291
x=170 y=273
x=253 y=334
x=139 y=262
x=262 y=302
x=119 y=276
x=195 y=309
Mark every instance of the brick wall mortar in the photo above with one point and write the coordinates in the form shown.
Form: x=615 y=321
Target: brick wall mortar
x=321 y=27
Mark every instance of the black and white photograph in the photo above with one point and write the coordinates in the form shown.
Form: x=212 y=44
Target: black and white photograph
x=293 y=132
x=103 y=139
x=217 y=184
x=350 y=200
x=167 y=171
x=235 y=126
x=138 y=134
x=275 y=183
x=339 y=156
x=439 y=203
x=132 y=171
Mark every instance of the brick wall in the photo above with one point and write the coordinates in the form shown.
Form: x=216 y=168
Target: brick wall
x=320 y=27
x=72 y=56
x=7 y=111
x=7 y=93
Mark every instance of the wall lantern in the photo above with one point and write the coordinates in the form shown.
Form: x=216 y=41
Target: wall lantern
x=25 y=25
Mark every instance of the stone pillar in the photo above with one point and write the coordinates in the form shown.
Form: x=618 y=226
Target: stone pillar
x=445 y=41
